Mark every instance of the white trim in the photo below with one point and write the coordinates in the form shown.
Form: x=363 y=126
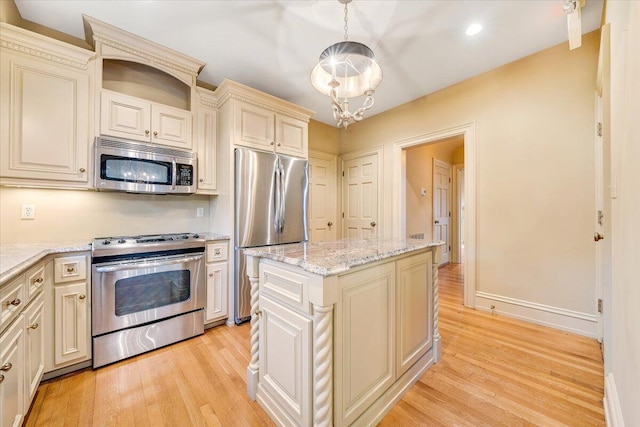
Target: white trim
x=468 y=131
x=555 y=317
x=457 y=185
x=378 y=151
x=612 y=410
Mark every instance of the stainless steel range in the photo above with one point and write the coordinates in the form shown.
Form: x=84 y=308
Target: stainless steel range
x=147 y=292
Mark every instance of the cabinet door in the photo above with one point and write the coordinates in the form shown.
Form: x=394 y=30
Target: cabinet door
x=253 y=126
x=44 y=114
x=70 y=323
x=207 y=146
x=12 y=375
x=125 y=116
x=217 y=285
x=34 y=347
x=292 y=136
x=285 y=360
x=171 y=126
x=414 y=310
x=365 y=339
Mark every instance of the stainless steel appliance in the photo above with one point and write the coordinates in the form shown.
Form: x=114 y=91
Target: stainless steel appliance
x=147 y=292
x=134 y=167
x=271 y=199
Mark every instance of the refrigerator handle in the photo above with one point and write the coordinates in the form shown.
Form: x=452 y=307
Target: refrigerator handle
x=278 y=202
x=282 y=198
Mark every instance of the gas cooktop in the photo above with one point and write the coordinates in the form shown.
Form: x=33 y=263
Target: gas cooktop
x=102 y=246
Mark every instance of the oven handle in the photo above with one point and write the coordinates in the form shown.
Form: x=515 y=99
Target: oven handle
x=129 y=266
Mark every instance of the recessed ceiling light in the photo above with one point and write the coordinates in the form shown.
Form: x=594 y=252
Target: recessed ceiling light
x=473 y=29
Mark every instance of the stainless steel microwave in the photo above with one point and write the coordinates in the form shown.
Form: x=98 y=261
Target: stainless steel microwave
x=134 y=167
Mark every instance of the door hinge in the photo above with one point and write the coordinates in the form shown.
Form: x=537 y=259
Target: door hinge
x=449 y=247
x=449 y=180
x=342 y=214
x=599 y=129
x=449 y=214
x=599 y=306
x=342 y=173
x=600 y=217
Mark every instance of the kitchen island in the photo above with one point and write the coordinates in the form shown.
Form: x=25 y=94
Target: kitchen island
x=341 y=330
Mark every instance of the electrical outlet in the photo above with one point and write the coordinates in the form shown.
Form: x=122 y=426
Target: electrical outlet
x=199 y=212
x=28 y=212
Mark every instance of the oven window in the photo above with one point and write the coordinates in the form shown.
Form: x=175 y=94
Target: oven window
x=115 y=168
x=149 y=291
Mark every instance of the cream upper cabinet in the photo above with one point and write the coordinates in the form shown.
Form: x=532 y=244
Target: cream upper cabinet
x=206 y=129
x=257 y=120
x=45 y=110
x=126 y=116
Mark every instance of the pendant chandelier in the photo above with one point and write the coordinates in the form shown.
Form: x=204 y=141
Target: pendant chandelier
x=347 y=70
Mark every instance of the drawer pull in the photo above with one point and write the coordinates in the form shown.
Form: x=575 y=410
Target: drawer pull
x=70 y=269
x=217 y=251
x=16 y=302
x=82 y=296
x=34 y=326
x=38 y=280
x=6 y=367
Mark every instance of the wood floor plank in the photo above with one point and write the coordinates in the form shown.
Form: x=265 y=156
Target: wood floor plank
x=495 y=371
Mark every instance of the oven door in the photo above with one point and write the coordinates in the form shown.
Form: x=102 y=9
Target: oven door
x=132 y=293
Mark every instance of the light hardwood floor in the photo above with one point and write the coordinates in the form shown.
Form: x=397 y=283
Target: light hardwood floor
x=495 y=371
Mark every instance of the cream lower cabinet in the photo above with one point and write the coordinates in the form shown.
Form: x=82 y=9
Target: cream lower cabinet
x=70 y=299
x=34 y=320
x=285 y=362
x=126 y=116
x=12 y=402
x=44 y=110
x=217 y=277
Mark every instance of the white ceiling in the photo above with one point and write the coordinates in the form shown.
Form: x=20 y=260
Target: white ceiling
x=273 y=45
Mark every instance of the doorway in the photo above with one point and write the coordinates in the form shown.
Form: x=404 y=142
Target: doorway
x=467 y=220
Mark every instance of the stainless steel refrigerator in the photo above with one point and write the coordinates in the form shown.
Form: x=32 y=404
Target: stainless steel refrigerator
x=271 y=200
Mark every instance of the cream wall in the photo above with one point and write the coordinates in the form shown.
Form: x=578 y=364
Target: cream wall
x=323 y=137
x=63 y=215
x=622 y=290
x=534 y=122
x=419 y=209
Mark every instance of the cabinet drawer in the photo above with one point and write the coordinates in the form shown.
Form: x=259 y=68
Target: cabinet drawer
x=69 y=269
x=286 y=285
x=35 y=278
x=217 y=252
x=12 y=301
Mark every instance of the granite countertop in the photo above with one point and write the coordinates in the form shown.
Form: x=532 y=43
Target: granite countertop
x=18 y=257
x=329 y=258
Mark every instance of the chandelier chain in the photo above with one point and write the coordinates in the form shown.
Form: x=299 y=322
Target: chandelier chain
x=346 y=19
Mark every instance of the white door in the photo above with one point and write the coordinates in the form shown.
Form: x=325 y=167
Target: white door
x=322 y=197
x=442 y=205
x=360 y=197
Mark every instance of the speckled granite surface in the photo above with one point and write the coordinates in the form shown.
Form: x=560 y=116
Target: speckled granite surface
x=18 y=257
x=329 y=258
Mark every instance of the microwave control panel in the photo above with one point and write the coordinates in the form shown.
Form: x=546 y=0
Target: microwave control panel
x=184 y=175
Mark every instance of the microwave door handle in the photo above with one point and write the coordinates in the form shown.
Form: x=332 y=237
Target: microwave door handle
x=174 y=177
x=130 y=265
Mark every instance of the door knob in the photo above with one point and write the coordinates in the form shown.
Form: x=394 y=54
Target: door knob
x=329 y=224
x=437 y=222
x=373 y=224
x=597 y=236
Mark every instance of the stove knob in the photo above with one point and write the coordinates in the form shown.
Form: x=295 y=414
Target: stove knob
x=195 y=236
x=106 y=242
x=184 y=237
x=121 y=241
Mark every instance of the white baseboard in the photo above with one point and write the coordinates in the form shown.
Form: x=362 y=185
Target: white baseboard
x=555 y=317
x=612 y=409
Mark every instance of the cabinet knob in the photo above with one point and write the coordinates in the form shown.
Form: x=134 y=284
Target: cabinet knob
x=210 y=274
x=34 y=326
x=329 y=224
x=146 y=132
x=82 y=296
x=38 y=280
x=258 y=313
x=70 y=269
x=155 y=134
x=82 y=170
x=16 y=302
x=279 y=144
x=217 y=251
x=6 y=367
x=272 y=143
x=1 y=378
x=201 y=179
x=373 y=224
x=597 y=236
